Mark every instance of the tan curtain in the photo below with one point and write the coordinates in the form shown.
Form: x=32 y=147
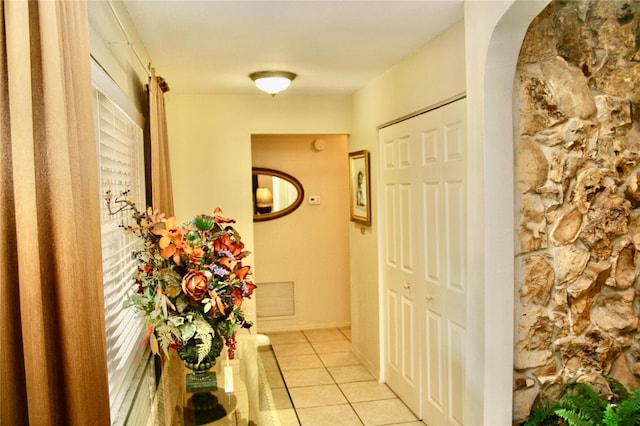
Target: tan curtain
x=161 y=190
x=52 y=344
x=167 y=409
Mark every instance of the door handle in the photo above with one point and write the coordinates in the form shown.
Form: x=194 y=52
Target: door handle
x=429 y=298
x=407 y=285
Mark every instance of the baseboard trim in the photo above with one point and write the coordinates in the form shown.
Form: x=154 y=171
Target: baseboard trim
x=375 y=372
x=266 y=325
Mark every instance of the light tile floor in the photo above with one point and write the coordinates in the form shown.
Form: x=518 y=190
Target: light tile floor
x=327 y=384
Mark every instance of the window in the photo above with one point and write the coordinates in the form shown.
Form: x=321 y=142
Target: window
x=121 y=166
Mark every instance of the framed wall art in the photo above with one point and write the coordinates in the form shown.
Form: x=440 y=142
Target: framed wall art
x=359 y=187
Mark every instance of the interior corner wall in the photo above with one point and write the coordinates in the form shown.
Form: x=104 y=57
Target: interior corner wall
x=434 y=73
x=310 y=246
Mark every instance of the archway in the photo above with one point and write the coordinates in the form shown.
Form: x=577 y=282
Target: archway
x=498 y=201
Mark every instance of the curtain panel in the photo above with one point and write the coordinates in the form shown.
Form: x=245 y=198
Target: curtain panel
x=167 y=408
x=52 y=346
x=161 y=189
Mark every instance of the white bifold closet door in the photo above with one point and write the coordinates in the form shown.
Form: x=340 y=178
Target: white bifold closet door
x=423 y=218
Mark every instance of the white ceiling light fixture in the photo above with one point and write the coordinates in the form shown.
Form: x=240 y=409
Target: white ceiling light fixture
x=272 y=82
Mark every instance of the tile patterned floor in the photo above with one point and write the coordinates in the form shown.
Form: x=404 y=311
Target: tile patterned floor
x=327 y=384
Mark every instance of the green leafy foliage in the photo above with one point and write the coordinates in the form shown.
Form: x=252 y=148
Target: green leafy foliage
x=628 y=412
x=545 y=415
x=610 y=417
x=574 y=418
x=586 y=403
x=582 y=405
x=204 y=223
x=201 y=343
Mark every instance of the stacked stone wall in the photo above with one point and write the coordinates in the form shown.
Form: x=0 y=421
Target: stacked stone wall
x=578 y=200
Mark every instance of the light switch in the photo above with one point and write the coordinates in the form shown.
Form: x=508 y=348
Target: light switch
x=314 y=200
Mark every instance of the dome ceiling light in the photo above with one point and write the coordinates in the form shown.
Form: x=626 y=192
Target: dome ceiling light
x=272 y=82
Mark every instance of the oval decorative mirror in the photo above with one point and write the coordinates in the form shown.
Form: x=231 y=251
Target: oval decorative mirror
x=275 y=194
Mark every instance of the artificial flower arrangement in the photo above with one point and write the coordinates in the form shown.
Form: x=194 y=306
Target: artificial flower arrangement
x=190 y=282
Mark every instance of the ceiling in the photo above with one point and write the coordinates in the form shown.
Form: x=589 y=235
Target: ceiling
x=334 y=46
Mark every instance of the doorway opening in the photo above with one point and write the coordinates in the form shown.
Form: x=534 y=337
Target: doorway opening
x=302 y=258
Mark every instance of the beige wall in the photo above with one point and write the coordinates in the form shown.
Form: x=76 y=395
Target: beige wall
x=434 y=73
x=310 y=246
x=210 y=148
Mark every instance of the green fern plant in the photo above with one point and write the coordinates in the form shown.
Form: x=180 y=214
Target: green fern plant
x=610 y=418
x=574 y=418
x=582 y=405
x=628 y=412
x=586 y=403
x=544 y=415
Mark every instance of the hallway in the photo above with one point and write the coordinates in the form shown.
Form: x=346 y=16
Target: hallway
x=326 y=383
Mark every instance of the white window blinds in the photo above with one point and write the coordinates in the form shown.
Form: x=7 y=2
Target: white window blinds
x=121 y=167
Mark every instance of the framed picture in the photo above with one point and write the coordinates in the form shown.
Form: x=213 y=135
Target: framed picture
x=359 y=187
